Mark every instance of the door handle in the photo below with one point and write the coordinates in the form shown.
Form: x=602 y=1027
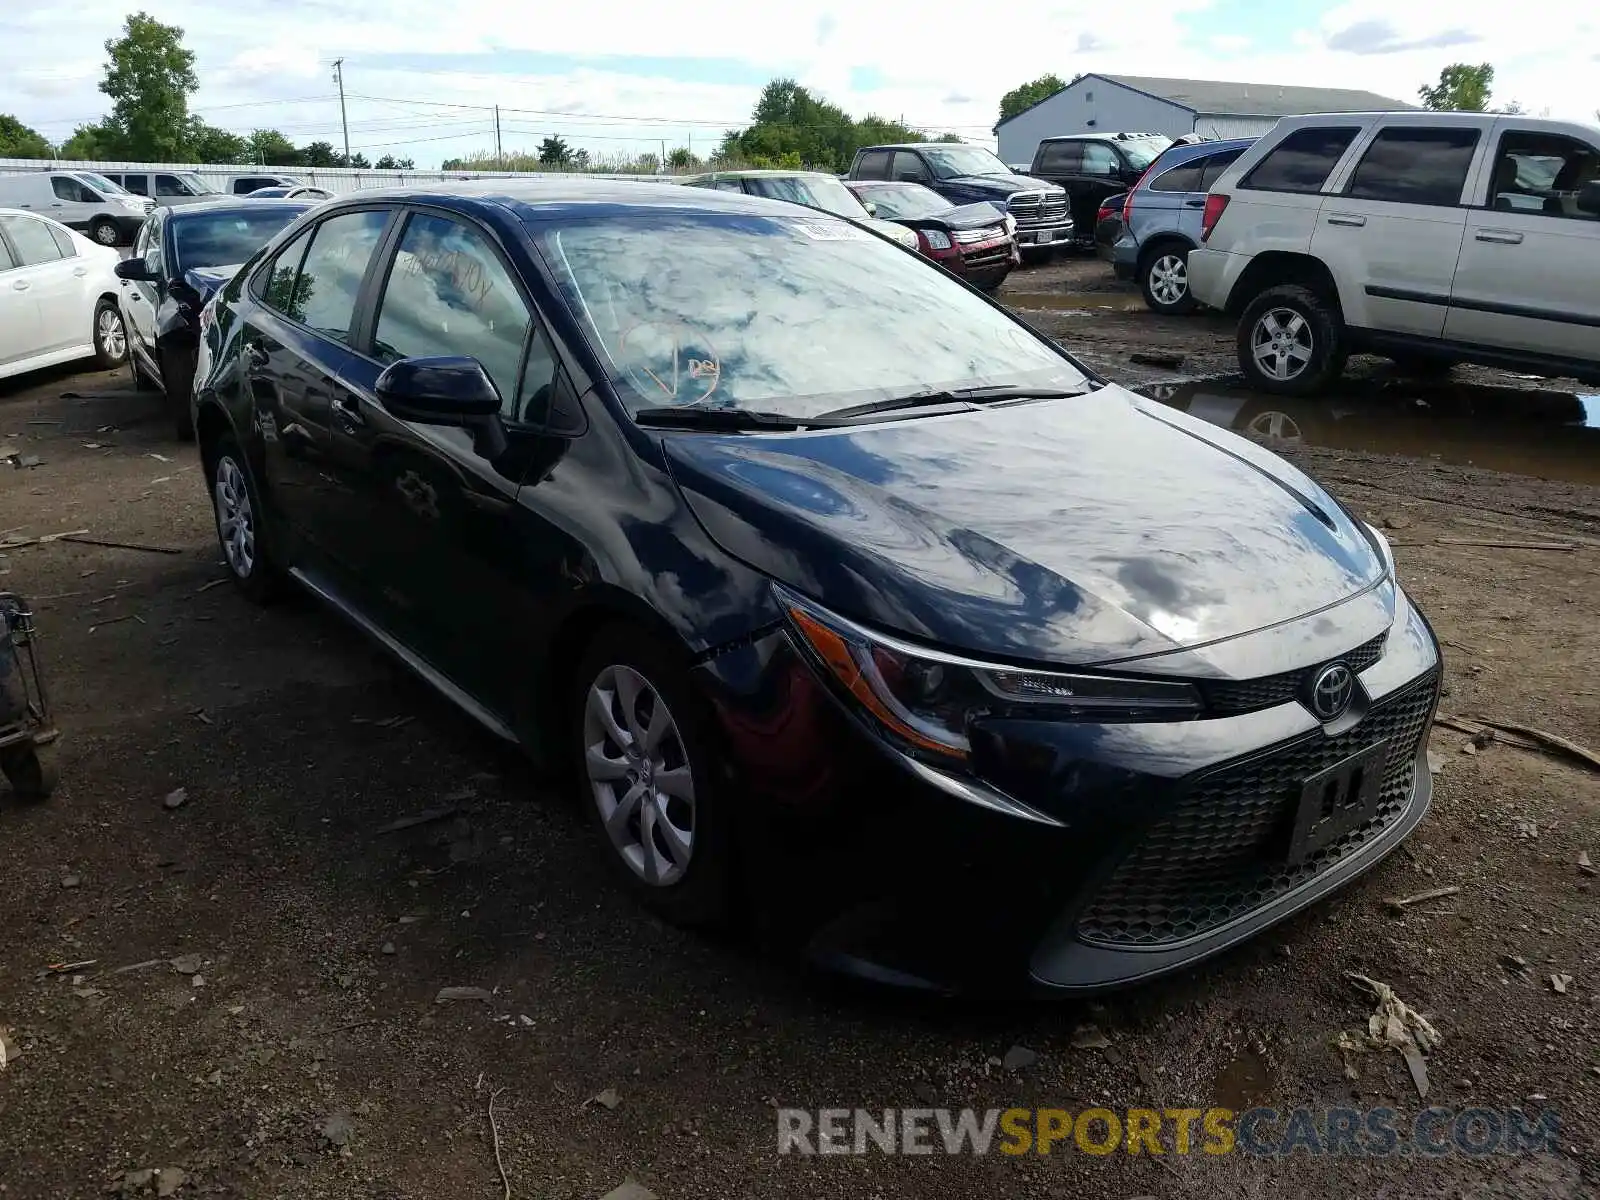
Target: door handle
x=1194 y=203
x=255 y=355
x=1354 y=220
x=80 y=272
x=1506 y=237
x=20 y=285
x=345 y=408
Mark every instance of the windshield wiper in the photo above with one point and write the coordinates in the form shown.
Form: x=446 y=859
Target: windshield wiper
x=974 y=395
x=689 y=417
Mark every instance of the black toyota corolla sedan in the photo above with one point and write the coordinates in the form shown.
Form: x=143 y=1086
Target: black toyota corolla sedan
x=846 y=598
x=180 y=257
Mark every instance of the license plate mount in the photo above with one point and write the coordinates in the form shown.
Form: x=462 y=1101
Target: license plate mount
x=1336 y=800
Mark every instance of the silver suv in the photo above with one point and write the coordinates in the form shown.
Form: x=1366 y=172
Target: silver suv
x=1430 y=238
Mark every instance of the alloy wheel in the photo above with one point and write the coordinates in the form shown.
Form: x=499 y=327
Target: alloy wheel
x=639 y=773
x=110 y=334
x=1281 y=344
x=105 y=233
x=1277 y=426
x=235 y=520
x=1169 y=278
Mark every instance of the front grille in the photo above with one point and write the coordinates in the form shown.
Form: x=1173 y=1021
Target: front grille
x=1221 y=852
x=1038 y=208
x=1225 y=697
x=987 y=258
x=967 y=236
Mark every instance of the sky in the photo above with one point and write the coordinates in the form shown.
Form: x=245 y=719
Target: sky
x=623 y=76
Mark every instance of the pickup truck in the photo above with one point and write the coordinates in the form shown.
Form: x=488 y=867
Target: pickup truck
x=965 y=174
x=1092 y=167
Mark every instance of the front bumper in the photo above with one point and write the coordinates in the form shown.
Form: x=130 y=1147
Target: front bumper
x=1112 y=854
x=1030 y=237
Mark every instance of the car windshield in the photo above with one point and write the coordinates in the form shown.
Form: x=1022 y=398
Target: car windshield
x=814 y=191
x=103 y=185
x=908 y=200
x=789 y=315
x=196 y=184
x=1142 y=152
x=949 y=161
x=224 y=239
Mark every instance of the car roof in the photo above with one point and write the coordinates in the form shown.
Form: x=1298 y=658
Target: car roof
x=1175 y=154
x=912 y=146
x=241 y=204
x=1103 y=137
x=754 y=173
x=544 y=199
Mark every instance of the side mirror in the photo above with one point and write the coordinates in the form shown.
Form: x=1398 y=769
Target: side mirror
x=1589 y=198
x=451 y=390
x=872 y=209
x=134 y=269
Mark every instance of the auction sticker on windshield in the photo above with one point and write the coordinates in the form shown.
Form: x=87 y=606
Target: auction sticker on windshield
x=831 y=231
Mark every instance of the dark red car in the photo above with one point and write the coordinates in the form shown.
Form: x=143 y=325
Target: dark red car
x=975 y=241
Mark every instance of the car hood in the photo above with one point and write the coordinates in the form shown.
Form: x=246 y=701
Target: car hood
x=207 y=280
x=1075 y=531
x=1004 y=185
x=965 y=216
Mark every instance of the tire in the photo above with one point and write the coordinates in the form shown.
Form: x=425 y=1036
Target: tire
x=103 y=231
x=687 y=886
x=1308 y=334
x=31 y=771
x=110 y=335
x=1164 y=279
x=177 y=381
x=244 y=548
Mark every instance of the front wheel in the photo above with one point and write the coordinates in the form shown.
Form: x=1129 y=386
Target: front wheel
x=177 y=381
x=30 y=770
x=1164 y=279
x=643 y=741
x=1291 y=341
x=104 y=231
x=110 y=335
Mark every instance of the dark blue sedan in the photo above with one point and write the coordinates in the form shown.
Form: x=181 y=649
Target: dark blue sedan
x=843 y=596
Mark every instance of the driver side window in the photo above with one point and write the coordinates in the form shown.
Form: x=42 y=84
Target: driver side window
x=908 y=167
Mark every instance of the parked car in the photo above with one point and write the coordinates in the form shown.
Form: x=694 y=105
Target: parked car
x=974 y=241
x=761 y=526
x=298 y=191
x=58 y=296
x=965 y=174
x=1108 y=227
x=1430 y=238
x=243 y=185
x=1090 y=167
x=1161 y=217
x=813 y=189
x=179 y=259
x=168 y=189
x=80 y=200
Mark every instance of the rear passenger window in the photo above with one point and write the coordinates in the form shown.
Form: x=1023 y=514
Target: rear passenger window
x=7 y=263
x=1215 y=166
x=449 y=293
x=324 y=296
x=873 y=165
x=32 y=240
x=1415 y=166
x=1301 y=162
x=1180 y=179
x=63 y=241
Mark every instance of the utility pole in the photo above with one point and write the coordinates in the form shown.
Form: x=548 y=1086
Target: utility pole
x=338 y=77
x=499 y=156
x=661 y=166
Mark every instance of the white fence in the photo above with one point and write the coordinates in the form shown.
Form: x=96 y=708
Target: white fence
x=338 y=180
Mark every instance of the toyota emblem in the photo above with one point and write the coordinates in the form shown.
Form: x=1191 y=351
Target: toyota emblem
x=1331 y=691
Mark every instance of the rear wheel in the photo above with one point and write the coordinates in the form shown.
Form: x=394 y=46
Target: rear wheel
x=239 y=530
x=1291 y=341
x=177 y=380
x=642 y=738
x=1164 y=279
x=30 y=770
x=110 y=336
x=104 y=231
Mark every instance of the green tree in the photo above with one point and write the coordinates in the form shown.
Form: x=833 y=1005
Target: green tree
x=790 y=125
x=271 y=149
x=319 y=154
x=18 y=141
x=1029 y=94
x=357 y=160
x=90 y=142
x=390 y=163
x=682 y=159
x=149 y=76
x=208 y=144
x=554 y=152
x=645 y=164
x=580 y=159
x=1461 y=88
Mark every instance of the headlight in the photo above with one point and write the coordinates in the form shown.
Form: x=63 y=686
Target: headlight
x=926 y=700
x=907 y=238
x=937 y=239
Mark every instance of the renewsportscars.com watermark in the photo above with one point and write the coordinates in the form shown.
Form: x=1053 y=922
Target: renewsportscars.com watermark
x=1261 y=1132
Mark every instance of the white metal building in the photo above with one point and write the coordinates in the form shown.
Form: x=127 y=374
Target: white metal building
x=1138 y=103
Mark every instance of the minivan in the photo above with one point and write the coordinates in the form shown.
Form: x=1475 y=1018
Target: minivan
x=166 y=188
x=243 y=185
x=81 y=200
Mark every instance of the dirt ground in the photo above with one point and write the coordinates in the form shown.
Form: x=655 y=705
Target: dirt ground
x=255 y=1000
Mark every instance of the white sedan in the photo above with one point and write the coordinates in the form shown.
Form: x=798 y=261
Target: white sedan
x=58 y=296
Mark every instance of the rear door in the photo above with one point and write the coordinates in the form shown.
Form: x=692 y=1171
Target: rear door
x=295 y=345
x=1391 y=230
x=438 y=520
x=20 y=334
x=1530 y=258
x=47 y=278
x=1159 y=206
